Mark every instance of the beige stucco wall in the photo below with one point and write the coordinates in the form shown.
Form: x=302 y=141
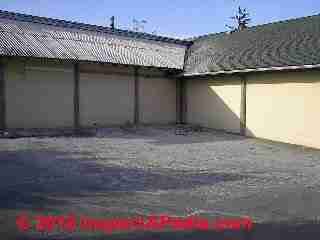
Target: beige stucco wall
x=157 y=98
x=106 y=95
x=214 y=103
x=38 y=94
x=284 y=107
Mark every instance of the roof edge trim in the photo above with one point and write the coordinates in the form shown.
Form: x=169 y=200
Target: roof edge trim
x=249 y=70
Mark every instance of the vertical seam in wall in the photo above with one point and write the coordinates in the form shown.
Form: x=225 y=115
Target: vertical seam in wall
x=243 y=110
x=76 y=75
x=183 y=90
x=184 y=103
x=2 y=95
x=178 y=101
x=136 y=96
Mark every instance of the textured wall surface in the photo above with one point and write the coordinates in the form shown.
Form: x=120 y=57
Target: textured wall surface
x=157 y=99
x=38 y=95
x=106 y=99
x=285 y=107
x=215 y=103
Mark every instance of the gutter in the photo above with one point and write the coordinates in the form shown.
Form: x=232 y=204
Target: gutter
x=248 y=70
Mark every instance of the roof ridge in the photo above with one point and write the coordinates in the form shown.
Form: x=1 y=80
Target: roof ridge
x=256 y=26
x=88 y=27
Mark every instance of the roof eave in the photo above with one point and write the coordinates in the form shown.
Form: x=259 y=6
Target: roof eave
x=250 y=70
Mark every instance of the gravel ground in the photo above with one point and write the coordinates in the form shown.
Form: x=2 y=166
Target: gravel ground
x=150 y=170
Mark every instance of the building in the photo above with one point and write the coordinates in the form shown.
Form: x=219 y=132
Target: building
x=263 y=81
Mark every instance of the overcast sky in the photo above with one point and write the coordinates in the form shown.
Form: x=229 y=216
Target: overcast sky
x=175 y=18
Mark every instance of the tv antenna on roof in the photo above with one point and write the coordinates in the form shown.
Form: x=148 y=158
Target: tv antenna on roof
x=112 y=22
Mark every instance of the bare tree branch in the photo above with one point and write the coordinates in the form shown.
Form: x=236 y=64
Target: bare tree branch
x=242 y=20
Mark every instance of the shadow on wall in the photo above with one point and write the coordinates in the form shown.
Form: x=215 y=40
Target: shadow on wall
x=279 y=105
x=216 y=104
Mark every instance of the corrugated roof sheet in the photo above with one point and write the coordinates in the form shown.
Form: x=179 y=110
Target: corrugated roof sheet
x=282 y=44
x=25 y=35
x=272 y=46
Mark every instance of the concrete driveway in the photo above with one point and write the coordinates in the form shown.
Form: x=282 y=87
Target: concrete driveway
x=150 y=170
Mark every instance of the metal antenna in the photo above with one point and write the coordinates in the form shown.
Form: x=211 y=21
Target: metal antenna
x=112 y=22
